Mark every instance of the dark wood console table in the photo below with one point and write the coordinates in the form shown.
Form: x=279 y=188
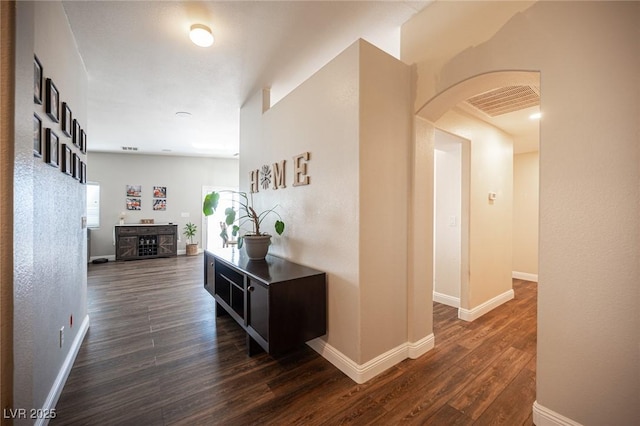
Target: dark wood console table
x=146 y=241
x=279 y=304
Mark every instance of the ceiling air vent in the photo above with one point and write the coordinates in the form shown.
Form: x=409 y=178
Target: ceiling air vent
x=506 y=99
x=129 y=148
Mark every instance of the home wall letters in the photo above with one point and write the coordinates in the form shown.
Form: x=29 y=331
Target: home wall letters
x=275 y=175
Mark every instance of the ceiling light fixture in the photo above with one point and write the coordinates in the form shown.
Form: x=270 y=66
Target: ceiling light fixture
x=201 y=35
x=535 y=116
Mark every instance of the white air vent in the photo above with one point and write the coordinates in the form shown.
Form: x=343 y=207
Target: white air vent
x=506 y=99
x=129 y=148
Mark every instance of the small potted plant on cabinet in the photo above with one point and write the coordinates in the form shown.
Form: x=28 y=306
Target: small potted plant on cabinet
x=255 y=241
x=190 y=232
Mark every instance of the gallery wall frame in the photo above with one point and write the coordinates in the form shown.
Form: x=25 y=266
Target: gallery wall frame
x=66 y=160
x=52 y=148
x=67 y=120
x=38 y=75
x=52 y=107
x=37 y=135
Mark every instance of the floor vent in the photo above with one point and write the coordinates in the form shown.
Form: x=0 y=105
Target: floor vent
x=506 y=99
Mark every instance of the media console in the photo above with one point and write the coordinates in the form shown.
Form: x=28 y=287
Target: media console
x=278 y=303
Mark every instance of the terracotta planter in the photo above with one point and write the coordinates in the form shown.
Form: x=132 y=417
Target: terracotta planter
x=192 y=249
x=257 y=246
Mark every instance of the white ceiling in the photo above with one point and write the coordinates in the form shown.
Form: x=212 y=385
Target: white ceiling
x=143 y=68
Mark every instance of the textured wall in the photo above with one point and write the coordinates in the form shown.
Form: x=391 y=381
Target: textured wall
x=50 y=243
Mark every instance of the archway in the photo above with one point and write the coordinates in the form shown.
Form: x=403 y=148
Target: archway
x=421 y=245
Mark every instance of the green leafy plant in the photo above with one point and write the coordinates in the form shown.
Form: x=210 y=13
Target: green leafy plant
x=189 y=231
x=246 y=214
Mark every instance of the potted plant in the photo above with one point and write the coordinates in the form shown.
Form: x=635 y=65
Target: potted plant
x=255 y=241
x=190 y=232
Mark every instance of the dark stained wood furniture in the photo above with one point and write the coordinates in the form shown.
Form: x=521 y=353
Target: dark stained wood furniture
x=279 y=304
x=146 y=241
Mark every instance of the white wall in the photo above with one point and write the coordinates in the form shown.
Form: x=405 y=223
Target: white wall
x=588 y=319
x=447 y=219
x=183 y=177
x=353 y=116
x=525 y=214
x=50 y=243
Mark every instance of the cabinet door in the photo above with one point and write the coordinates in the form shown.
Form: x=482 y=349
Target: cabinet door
x=166 y=245
x=127 y=247
x=258 y=311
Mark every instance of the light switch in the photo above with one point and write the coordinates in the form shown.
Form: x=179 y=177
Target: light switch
x=184 y=214
x=492 y=196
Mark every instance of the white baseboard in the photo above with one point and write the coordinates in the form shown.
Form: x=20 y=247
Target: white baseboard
x=524 y=276
x=542 y=416
x=478 y=311
x=56 y=389
x=446 y=299
x=421 y=347
x=367 y=371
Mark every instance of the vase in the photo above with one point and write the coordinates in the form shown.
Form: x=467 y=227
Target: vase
x=257 y=246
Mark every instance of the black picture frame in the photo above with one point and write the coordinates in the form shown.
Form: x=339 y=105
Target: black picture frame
x=76 y=166
x=83 y=141
x=38 y=78
x=66 y=161
x=77 y=137
x=52 y=157
x=53 y=101
x=83 y=172
x=67 y=120
x=37 y=136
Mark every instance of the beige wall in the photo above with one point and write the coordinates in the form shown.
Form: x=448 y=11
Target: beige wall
x=525 y=213
x=353 y=116
x=490 y=222
x=183 y=177
x=588 y=320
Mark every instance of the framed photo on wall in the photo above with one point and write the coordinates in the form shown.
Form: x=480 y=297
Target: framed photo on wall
x=159 y=192
x=37 y=136
x=133 y=203
x=83 y=172
x=52 y=148
x=76 y=133
x=53 y=101
x=134 y=191
x=67 y=122
x=37 y=80
x=83 y=141
x=66 y=159
x=76 y=166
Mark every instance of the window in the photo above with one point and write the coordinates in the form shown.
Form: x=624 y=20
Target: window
x=93 y=205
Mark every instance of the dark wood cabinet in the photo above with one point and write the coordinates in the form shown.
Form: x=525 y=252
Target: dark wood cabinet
x=146 y=241
x=279 y=304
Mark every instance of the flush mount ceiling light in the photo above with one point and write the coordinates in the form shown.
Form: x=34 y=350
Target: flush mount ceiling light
x=201 y=35
x=535 y=116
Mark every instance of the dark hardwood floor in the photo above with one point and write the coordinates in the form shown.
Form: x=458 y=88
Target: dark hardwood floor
x=156 y=355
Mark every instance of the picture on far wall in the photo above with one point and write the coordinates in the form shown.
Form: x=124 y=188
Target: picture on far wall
x=83 y=172
x=134 y=190
x=160 y=204
x=37 y=136
x=52 y=149
x=53 y=101
x=159 y=192
x=133 y=203
x=37 y=80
